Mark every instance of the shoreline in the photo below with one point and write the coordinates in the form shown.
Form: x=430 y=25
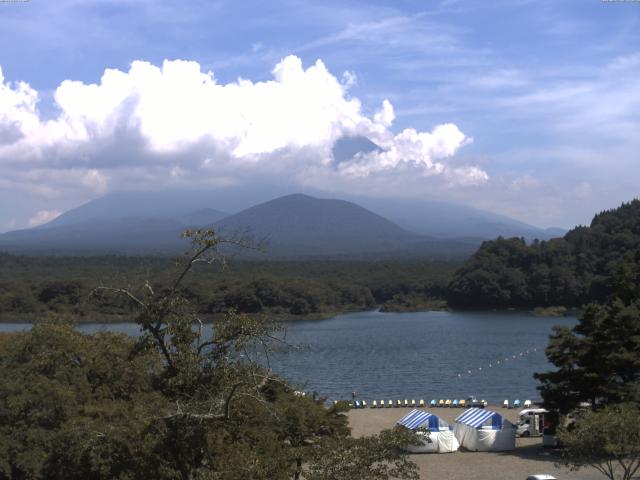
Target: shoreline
x=20 y=319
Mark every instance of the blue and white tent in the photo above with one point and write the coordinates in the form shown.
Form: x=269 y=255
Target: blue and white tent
x=438 y=434
x=483 y=430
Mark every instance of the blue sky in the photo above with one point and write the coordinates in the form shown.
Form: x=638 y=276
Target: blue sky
x=540 y=101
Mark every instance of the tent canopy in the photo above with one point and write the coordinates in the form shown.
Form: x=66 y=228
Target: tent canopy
x=478 y=417
x=440 y=437
x=416 y=419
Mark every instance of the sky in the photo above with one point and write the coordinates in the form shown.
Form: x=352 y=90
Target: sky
x=528 y=108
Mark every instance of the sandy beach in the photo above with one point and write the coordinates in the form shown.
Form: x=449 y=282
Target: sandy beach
x=527 y=459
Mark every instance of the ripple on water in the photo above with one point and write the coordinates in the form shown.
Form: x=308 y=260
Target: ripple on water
x=419 y=355
x=409 y=355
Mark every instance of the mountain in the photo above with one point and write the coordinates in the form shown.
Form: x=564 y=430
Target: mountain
x=346 y=148
x=79 y=232
x=302 y=225
x=178 y=206
x=441 y=219
x=296 y=224
x=436 y=218
x=113 y=236
x=432 y=218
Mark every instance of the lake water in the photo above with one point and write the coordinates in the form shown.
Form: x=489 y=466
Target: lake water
x=492 y=355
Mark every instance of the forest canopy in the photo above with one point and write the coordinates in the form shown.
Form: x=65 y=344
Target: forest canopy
x=585 y=265
x=36 y=287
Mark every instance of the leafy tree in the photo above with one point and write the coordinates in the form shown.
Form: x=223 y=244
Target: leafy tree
x=73 y=405
x=363 y=458
x=607 y=440
x=177 y=403
x=597 y=361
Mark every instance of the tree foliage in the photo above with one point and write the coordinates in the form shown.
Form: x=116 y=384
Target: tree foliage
x=587 y=264
x=363 y=458
x=607 y=440
x=33 y=287
x=72 y=405
x=183 y=401
x=597 y=361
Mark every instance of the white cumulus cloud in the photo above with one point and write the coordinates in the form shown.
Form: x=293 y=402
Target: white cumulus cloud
x=174 y=122
x=425 y=150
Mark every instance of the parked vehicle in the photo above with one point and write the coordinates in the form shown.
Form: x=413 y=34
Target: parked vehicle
x=531 y=422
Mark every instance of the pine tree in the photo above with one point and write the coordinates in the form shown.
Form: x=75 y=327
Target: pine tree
x=598 y=360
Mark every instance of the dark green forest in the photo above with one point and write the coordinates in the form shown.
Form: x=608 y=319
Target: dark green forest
x=587 y=265
x=36 y=287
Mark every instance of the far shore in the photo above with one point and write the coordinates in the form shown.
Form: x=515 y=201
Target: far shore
x=98 y=318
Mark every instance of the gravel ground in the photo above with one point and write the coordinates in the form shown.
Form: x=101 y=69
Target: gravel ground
x=527 y=459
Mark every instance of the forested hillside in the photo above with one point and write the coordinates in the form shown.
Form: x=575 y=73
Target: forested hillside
x=35 y=287
x=587 y=264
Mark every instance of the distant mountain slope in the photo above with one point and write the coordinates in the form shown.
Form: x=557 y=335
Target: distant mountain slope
x=433 y=218
x=133 y=236
x=79 y=233
x=294 y=226
x=346 y=148
x=449 y=220
x=436 y=218
x=299 y=224
x=587 y=264
x=180 y=206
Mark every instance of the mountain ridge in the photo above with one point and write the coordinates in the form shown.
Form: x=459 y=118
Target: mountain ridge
x=297 y=225
x=304 y=224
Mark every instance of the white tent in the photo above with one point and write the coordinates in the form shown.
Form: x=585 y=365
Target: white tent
x=438 y=434
x=482 y=430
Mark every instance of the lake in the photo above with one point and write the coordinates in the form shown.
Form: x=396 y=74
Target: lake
x=492 y=355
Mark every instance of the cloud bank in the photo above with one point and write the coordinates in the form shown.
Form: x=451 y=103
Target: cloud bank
x=172 y=124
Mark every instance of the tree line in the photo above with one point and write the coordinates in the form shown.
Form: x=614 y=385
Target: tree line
x=585 y=265
x=33 y=287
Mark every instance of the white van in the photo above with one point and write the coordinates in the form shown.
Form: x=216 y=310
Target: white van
x=530 y=422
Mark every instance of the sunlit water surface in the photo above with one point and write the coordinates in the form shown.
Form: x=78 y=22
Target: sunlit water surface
x=492 y=355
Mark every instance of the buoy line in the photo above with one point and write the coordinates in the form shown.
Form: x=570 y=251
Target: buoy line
x=497 y=363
